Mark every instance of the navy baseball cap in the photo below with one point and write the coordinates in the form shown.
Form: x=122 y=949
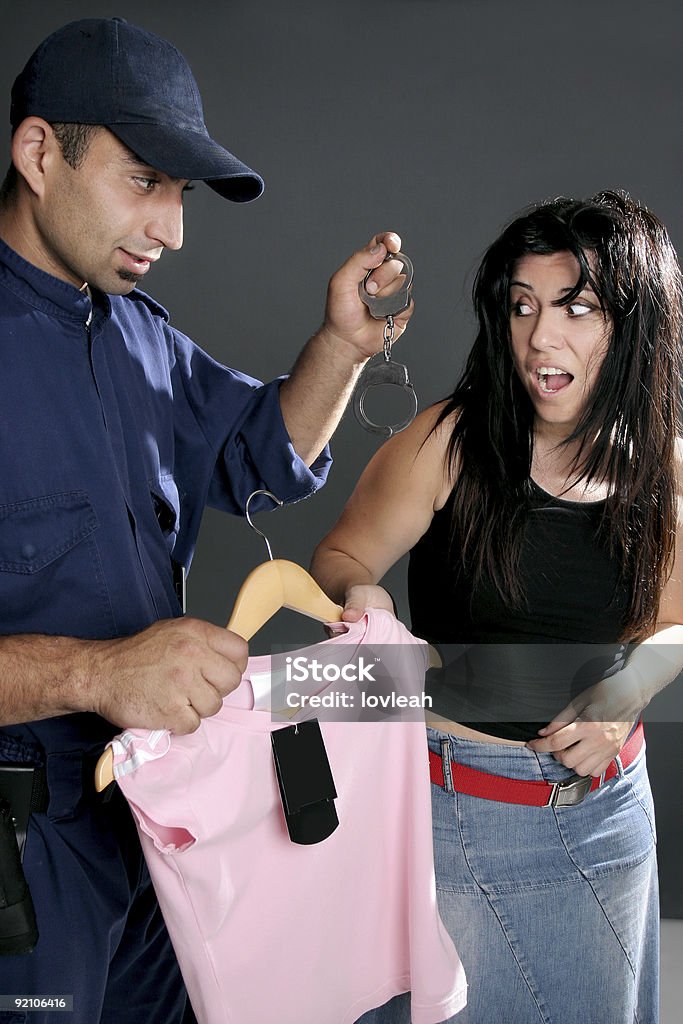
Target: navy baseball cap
x=105 y=71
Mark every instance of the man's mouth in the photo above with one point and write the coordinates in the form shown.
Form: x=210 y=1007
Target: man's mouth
x=137 y=264
x=551 y=379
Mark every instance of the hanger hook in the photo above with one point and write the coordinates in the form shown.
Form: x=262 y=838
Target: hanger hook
x=248 y=517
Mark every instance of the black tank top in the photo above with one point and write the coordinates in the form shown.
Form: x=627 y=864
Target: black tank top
x=510 y=670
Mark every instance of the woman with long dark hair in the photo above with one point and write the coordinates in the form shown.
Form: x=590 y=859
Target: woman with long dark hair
x=539 y=506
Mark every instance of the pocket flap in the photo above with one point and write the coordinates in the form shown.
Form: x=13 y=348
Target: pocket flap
x=33 y=533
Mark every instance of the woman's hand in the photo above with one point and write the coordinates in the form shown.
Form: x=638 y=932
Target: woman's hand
x=584 y=746
x=362 y=596
x=593 y=728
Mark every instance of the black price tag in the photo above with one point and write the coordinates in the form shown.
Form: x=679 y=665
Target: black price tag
x=306 y=783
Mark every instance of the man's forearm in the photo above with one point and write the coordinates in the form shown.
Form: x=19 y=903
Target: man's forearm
x=40 y=677
x=314 y=397
x=169 y=676
x=318 y=390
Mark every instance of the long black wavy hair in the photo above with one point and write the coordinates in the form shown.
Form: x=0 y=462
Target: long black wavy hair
x=627 y=432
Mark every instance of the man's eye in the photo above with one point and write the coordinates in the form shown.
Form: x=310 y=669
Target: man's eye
x=521 y=309
x=147 y=183
x=188 y=188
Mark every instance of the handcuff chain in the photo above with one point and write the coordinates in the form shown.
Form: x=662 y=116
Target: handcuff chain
x=388 y=337
x=385 y=371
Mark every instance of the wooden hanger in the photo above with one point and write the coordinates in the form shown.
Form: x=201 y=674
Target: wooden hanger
x=268 y=588
x=273 y=585
x=277 y=584
x=104 y=770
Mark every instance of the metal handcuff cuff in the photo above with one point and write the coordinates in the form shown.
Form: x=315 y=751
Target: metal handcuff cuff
x=382 y=369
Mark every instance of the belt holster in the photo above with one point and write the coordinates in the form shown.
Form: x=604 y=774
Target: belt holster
x=23 y=790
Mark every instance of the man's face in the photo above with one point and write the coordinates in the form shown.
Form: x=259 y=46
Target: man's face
x=106 y=221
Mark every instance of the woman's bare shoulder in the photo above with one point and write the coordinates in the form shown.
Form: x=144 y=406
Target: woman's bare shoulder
x=429 y=426
x=437 y=438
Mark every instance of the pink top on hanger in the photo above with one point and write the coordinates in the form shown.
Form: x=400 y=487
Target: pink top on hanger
x=266 y=930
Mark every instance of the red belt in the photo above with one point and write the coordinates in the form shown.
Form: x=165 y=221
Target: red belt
x=536 y=794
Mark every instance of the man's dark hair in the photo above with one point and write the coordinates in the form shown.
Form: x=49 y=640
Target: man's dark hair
x=627 y=432
x=73 y=140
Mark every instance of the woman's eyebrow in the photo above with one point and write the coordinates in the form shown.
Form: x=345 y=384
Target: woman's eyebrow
x=523 y=284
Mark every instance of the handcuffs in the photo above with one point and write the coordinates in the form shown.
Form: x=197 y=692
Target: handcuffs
x=382 y=369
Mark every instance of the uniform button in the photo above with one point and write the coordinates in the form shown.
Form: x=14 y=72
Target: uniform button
x=28 y=550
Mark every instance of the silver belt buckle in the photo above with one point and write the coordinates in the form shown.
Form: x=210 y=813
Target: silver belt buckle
x=570 y=792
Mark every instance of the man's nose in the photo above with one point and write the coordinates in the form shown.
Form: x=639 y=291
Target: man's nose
x=166 y=227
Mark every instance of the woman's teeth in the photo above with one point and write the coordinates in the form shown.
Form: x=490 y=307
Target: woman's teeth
x=543 y=372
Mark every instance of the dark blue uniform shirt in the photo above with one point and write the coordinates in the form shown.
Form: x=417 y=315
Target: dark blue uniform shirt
x=115 y=431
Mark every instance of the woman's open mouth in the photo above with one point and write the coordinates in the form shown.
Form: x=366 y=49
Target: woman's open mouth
x=551 y=379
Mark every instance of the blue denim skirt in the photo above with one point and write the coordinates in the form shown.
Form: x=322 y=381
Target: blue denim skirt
x=554 y=911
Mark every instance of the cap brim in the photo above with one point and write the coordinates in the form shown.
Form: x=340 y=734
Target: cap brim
x=182 y=153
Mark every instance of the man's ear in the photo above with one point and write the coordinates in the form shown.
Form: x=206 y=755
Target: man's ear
x=34 y=152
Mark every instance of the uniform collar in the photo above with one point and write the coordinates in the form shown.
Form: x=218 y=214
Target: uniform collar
x=43 y=291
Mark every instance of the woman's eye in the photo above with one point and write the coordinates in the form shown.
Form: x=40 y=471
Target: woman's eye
x=521 y=309
x=579 y=308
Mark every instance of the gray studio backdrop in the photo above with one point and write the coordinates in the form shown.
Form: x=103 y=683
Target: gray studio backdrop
x=437 y=118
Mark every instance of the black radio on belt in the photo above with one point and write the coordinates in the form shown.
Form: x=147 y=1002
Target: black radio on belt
x=22 y=790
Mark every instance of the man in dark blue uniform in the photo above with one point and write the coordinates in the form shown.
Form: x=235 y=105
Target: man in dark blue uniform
x=116 y=431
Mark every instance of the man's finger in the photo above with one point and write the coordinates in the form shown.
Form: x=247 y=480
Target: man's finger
x=389 y=239
x=206 y=700
x=387 y=278
x=223 y=674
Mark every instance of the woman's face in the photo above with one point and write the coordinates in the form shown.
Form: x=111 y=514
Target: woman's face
x=557 y=350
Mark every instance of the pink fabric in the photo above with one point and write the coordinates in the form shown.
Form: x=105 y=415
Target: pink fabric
x=269 y=931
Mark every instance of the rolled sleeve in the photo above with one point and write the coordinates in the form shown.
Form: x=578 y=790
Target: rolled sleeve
x=231 y=439
x=260 y=455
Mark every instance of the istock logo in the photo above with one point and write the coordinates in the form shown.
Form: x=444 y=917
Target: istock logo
x=300 y=670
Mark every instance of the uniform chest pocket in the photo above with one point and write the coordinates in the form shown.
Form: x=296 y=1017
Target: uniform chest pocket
x=36 y=532
x=51 y=578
